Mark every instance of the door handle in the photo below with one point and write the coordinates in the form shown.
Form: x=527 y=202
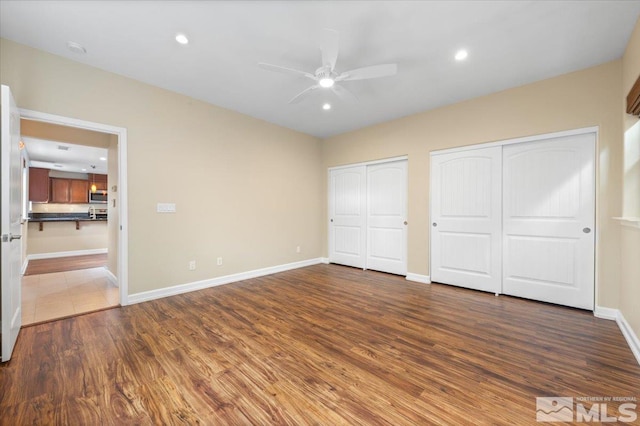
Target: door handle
x=7 y=238
x=331 y=220
x=586 y=230
x=434 y=224
x=406 y=223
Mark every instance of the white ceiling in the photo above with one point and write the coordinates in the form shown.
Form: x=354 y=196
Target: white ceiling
x=65 y=157
x=510 y=43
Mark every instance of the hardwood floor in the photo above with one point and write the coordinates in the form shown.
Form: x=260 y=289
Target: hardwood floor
x=64 y=264
x=325 y=345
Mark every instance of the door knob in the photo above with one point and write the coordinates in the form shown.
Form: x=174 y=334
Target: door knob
x=406 y=223
x=586 y=230
x=435 y=224
x=331 y=220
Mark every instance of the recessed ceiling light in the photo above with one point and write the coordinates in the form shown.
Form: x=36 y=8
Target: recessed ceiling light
x=461 y=55
x=182 y=39
x=84 y=170
x=76 y=47
x=326 y=107
x=103 y=159
x=326 y=82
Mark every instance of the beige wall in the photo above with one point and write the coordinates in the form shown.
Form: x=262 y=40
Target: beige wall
x=581 y=99
x=58 y=237
x=113 y=205
x=55 y=132
x=630 y=238
x=245 y=190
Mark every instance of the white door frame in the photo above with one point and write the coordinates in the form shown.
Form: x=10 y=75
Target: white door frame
x=535 y=138
x=367 y=163
x=123 y=235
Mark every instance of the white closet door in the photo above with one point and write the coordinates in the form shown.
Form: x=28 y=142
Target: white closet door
x=347 y=217
x=387 y=217
x=549 y=206
x=466 y=237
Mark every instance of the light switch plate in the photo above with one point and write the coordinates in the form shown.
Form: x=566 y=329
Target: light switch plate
x=166 y=208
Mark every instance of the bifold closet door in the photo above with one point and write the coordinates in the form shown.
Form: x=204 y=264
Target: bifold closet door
x=466 y=229
x=548 y=220
x=347 y=216
x=387 y=217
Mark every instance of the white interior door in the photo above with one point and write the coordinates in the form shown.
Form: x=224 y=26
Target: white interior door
x=466 y=231
x=387 y=217
x=549 y=205
x=347 y=218
x=10 y=218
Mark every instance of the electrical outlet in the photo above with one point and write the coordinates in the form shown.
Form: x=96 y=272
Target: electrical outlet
x=219 y=261
x=192 y=265
x=298 y=249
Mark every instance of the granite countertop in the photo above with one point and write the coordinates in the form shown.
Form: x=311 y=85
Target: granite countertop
x=64 y=217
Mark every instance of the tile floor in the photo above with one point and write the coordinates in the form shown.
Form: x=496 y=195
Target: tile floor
x=60 y=294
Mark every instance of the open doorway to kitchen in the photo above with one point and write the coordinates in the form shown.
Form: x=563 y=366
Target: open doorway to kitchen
x=73 y=261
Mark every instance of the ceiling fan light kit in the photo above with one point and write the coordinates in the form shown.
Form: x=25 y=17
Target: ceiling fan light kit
x=326 y=77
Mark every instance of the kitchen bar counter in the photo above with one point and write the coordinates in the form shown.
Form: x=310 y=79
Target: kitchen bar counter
x=67 y=219
x=41 y=218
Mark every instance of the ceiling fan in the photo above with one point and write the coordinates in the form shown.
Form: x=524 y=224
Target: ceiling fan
x=326 y=77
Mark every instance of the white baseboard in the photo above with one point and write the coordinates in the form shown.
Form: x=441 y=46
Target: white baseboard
x=425 y=279
x=112 y=278
x=66 y=254
x=605 y=313
x=324 y=260
x=227 y=279
x=24 y=266
x=628 y=333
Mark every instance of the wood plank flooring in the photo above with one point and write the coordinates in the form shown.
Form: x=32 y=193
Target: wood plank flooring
x=64 y=264
x=323 y=345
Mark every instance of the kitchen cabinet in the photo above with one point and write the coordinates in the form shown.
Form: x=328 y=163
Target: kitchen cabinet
x=99 y=180
x=69 y=191
x=78 y=191
x=38 y=185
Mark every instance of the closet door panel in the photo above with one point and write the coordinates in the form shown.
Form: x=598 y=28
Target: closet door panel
x=549 y=205
x=466 y=240
x=386 y=217
x=347 y=204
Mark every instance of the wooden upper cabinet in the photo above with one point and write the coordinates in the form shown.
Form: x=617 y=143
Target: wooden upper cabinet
x=99 y=180
x=69 y=191
x=59 y=190
x=78 y=191
x=38 y=185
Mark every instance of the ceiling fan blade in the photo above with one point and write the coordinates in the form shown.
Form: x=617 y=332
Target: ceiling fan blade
x=375 y=71
x=343 y=93
x=329 y=47
x=306 y=92
x=285 y=70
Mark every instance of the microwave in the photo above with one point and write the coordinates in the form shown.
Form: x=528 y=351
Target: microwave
x=98 y=197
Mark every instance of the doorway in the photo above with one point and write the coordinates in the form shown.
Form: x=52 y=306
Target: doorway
x=117 y=272
x=68 y=174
